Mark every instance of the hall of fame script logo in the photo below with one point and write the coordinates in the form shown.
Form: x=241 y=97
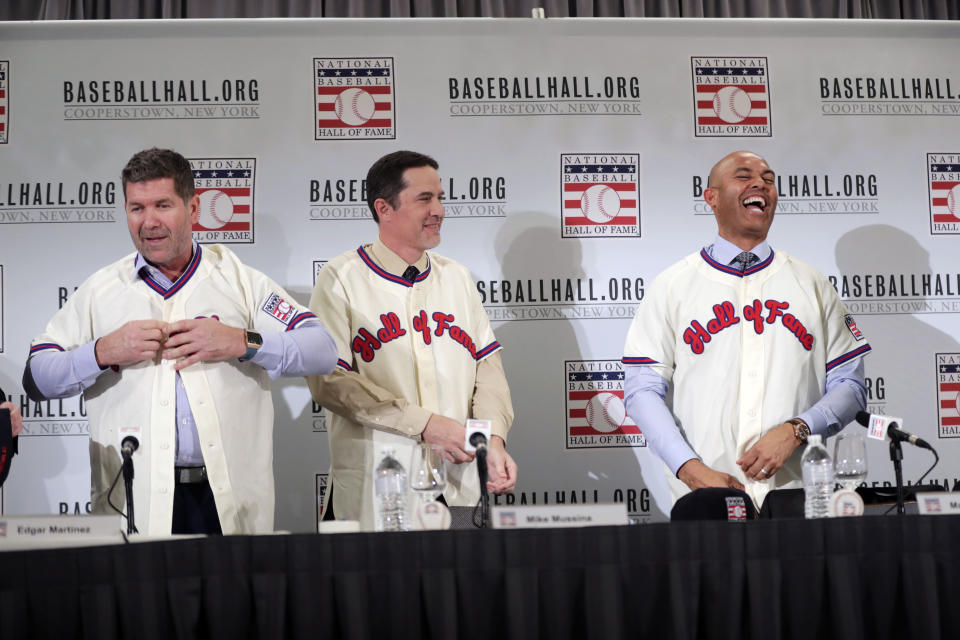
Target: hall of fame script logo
x=731 y=97
x=225 y=188
x=600 y=195
x=596 y=417
x=943 y=185
x=948 y=394
x=4 y=101
x=354 y=99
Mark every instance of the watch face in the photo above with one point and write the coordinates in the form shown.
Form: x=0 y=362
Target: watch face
x=254 y=339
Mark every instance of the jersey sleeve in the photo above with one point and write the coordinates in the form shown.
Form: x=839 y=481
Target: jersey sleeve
x=845 y=341
x=70 y=327
x=487 y=343
x=331 y=304
x=651 y=338
x=274 y=310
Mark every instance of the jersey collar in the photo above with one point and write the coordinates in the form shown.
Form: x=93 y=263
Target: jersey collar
x=159 y=282
x=387 y=264
x=721 y=253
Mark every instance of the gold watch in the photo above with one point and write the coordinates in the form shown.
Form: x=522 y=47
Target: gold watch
x=254 y=342
x=800 y=429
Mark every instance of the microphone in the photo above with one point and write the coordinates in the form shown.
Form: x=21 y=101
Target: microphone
x=478 y=441
x=894 y=431
x=128 y=446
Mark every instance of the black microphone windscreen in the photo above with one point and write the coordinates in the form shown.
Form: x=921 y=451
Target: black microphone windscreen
x=863 y=418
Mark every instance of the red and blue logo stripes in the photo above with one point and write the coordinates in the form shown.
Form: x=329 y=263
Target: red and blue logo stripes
x=847 y=357
x=343 y=364
x=386 y=275
x=760 y=266
x=487 y=350
x=299 y=318
x=637 y=360
x=44 y=346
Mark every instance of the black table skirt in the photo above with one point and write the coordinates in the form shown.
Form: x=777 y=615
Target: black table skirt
x=865 y=578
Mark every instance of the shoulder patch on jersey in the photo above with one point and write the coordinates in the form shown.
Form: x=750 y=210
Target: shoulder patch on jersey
x=279 y=308
x=852 y=326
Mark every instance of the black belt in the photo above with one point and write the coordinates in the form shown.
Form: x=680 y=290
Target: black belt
x=190 y=475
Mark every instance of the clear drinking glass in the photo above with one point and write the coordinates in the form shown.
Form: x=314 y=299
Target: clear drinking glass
x=850 y=459
x=428 y=474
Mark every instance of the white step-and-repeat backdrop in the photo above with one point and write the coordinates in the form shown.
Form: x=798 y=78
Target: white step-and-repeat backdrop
x=529 y=120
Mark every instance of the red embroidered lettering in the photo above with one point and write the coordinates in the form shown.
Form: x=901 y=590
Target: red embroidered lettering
x=443 y=321
x=775 y=309
x=391 y=327
x=726 y=316
x=695 y=336
x=754 y=312
x=365 y=344
x=420 y=324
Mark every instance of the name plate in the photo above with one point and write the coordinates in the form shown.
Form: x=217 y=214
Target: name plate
x=938 y=504
x=552 y=517
x=24 y=532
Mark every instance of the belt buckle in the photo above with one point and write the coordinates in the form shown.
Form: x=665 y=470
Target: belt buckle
x=191 y=475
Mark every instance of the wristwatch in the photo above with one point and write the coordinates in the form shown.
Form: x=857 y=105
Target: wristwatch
x=254 y=342
x=800 y=429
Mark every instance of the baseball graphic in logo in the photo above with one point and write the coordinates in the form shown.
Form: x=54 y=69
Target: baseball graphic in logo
x=943 y=184
x=354 y=99
x=216 y=209
x=354 y=106
x=600 y=195
x=224 y=189
x=731 y=96
x=600 y=203
x=605 y=412
x=596 y=416
x=732 y=104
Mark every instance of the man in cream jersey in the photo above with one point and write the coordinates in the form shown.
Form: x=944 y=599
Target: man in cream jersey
x=760 y=350
x=417 y=356
x=176 y=344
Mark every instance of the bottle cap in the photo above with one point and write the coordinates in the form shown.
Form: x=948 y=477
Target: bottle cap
x=814 y=438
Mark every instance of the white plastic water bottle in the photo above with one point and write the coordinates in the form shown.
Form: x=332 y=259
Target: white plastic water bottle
x=817 y=478
x=390 y=482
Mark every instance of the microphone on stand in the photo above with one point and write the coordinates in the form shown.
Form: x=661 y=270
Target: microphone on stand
x=894 y=431
x=127 y=447
x=478 y=432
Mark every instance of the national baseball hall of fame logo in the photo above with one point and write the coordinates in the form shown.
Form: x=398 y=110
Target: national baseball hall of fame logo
x=354 y=99
x=600 y=195
x=943 y=185
x=731 y=97
x=596 y=417
x=948 y=394
x=4 y=101
x=225 y=188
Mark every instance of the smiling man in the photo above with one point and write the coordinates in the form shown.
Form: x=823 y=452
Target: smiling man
x=760 y=350
x=417 y=356
x=176 y=344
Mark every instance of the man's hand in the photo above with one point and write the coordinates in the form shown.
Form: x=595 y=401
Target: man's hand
x=697 y=475
x=134 y=342
x=202 y=340
x=501 y=469
x=449 y=435
x=16 y=420
x=768 y=454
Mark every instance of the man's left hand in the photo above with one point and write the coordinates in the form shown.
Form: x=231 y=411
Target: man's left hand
x=501 y=469
x=202 y=340
x=765 y=458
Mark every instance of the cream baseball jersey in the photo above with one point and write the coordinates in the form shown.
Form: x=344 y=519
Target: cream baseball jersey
x=231 y=400
x=421 y=342
x=745 y=352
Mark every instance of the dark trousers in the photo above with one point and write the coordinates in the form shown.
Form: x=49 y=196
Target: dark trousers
x=194 y=510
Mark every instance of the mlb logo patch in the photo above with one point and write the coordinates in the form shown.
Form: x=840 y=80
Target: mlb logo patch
x=736 y=509
x=852 y=326
x=731 y=97
x=596 y=416
x=948 y=394
x=4 y=101
x=354 y=99
x=279 y=309
x=600 y=195
x=943 y=185
x=225 y=190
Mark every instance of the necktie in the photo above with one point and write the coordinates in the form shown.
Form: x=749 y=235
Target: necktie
x=411 y=273
x=744 y=260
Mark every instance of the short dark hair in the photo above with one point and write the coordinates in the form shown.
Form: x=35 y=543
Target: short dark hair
x=385 y=177
x=154 y=164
